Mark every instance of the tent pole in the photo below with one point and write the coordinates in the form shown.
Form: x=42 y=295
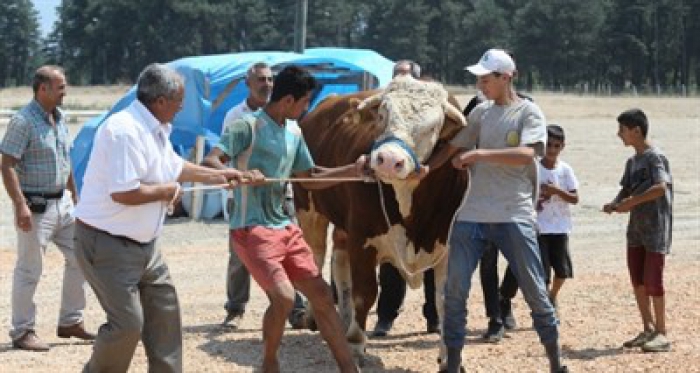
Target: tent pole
x=197 y=196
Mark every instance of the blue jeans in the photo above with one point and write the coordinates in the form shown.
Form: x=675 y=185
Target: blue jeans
x=518 y=243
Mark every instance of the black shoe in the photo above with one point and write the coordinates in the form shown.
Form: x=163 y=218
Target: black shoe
x=563 y=369
x=507 y=314
x=233 y=319
x=432 y=328
x=382 y=328
x=494 y=333
x=297 y=319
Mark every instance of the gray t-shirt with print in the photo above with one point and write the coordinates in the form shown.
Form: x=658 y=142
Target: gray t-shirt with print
x=650 y=223
x=502 y=193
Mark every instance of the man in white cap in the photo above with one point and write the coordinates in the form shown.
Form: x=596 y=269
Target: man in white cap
x=498 y=147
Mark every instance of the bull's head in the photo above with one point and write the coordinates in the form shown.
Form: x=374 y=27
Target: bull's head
x=413 y=113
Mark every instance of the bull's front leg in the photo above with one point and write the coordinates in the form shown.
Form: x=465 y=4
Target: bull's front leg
x=315 y=229
x=340 y=270
x=364 y=293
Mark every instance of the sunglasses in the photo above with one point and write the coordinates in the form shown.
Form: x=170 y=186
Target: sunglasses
x=554 y=145
x=263 y=79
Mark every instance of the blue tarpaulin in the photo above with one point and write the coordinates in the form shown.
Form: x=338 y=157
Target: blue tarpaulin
x=214 y=84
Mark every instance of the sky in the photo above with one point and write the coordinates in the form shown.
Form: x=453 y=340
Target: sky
x=47 y=14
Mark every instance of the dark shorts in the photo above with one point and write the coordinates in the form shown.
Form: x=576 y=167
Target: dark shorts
x=646 y=269
x=274 y=255
x=554 y=249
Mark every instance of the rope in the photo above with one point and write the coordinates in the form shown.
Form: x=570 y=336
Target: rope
x=284 y=180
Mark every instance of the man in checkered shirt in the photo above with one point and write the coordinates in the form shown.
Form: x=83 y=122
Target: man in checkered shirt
x=37 y=175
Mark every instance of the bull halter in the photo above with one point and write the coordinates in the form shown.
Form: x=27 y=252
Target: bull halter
x=403 y=145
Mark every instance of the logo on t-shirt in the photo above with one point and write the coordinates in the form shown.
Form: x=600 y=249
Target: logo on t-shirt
x=512 y=138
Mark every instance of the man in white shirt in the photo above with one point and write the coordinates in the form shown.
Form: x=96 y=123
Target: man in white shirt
x=130 y=182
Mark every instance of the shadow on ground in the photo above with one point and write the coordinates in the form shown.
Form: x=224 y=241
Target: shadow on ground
x=301 y=351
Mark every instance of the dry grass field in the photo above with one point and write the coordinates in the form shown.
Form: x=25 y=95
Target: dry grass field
x=596 y=308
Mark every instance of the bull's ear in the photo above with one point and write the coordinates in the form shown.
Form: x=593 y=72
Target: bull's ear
x=452 y=112
x=353 y=116
x=354 y=102
x=370 y=102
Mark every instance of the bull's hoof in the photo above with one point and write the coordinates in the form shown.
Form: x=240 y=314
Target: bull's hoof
x=358 y=352
x=360 y=361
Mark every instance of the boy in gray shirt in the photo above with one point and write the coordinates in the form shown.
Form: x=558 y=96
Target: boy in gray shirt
x=647 y=194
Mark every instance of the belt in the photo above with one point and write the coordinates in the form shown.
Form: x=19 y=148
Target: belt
x=57 y=195
x=125 y=238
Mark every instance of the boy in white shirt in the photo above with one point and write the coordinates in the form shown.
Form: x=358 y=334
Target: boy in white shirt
x=558 y=189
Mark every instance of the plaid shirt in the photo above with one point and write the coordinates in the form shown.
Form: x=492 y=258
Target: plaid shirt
x=41 y=149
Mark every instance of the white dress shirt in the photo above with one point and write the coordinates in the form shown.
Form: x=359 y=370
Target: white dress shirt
x=130 y=148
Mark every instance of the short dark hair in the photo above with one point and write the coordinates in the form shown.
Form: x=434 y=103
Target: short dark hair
x=634 y=118
x=555 y=131
x=292 y=80
x=44 y=74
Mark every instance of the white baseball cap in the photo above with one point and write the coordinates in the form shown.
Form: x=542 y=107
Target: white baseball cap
x=493 y=61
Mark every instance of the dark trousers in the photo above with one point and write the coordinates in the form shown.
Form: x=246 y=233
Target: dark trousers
x=488 y=271
x=393 y=291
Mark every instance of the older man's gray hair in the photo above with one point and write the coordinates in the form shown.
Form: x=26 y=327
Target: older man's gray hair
x=255 y=67
x=158 y=80
x=407 y=67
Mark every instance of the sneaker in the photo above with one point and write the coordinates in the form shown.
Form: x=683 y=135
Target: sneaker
x=639 y=340
x=657 y=343
x=382 y=328
x=233 y=319
x=494 y=333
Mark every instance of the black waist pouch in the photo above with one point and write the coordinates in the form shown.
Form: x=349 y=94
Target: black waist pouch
x=37 y=204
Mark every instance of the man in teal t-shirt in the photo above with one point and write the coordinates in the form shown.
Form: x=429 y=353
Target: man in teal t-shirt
x=270 y=144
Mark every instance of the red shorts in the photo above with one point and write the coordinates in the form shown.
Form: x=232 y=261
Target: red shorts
x=646 y=269
x=274 y=255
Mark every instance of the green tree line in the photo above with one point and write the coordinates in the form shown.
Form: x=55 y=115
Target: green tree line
x=650 y=45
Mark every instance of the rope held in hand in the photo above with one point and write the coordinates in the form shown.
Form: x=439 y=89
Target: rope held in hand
x=283 y=180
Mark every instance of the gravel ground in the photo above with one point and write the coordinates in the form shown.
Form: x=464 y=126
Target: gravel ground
x=596 y=308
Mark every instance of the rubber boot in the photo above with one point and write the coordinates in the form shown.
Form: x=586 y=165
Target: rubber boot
x=554 y=355
x=454 y=359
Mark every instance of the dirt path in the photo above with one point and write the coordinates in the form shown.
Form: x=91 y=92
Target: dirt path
x=596 y=308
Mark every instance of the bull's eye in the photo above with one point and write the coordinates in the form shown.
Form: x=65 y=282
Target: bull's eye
x=399 y=165
x=380 y=159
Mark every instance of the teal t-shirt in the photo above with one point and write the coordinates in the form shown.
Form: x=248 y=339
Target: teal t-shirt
x=277 y=152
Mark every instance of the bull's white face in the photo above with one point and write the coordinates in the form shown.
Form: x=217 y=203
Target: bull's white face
x=412 y=113
x=417 y=131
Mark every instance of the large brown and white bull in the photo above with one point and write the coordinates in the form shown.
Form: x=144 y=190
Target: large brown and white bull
x=403 y=220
